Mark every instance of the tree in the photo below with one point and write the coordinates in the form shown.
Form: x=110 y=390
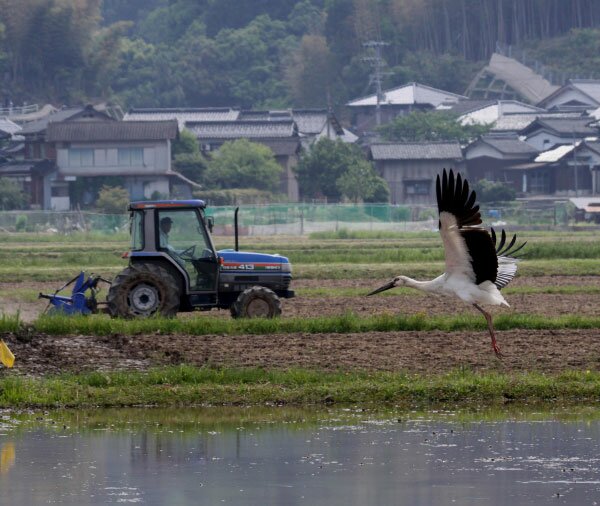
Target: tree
x=11 y=196
x=320 y=169
x=243 y=164
x=359 y=182
x=489 y=191
x=187 y=158
x=112 y=200
x=309 y=74
x=430 y=126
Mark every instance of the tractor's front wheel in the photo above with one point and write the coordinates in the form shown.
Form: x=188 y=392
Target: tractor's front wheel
x=256 y=302
x=143 y=290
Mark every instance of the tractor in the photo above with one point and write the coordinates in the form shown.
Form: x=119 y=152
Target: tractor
x=174 y=267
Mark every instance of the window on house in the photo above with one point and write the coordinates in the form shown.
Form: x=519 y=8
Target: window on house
x=539 y=182
x=420 y=187
x=131 y=156
x=81 y=157
x=59 y=191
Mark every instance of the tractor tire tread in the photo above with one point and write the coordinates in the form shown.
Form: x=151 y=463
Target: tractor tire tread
x=151 y=273
x=239 y=309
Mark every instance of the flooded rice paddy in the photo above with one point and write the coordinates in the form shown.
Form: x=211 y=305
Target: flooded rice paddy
x=256 y=456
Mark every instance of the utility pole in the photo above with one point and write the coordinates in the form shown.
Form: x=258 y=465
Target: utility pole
x=377 y=76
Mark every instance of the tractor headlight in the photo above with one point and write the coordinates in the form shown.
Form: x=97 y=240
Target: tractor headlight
x=287 y=267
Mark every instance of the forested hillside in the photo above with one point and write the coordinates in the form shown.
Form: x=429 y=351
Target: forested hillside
x=270 y=53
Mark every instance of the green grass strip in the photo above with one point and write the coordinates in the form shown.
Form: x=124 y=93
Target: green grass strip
x=188 y=386
x=342 y=324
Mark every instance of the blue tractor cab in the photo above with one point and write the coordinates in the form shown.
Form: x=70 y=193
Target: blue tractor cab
x=174 y=266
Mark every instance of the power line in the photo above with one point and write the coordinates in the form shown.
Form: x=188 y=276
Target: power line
x=377 y=76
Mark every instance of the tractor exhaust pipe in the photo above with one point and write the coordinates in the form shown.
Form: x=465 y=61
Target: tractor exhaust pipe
x=235 y=224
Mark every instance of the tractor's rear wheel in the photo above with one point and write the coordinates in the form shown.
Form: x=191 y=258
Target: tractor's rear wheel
x=143 y=290
x=256 y=302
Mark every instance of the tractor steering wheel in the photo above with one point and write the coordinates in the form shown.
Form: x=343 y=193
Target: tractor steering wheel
x=188 y=253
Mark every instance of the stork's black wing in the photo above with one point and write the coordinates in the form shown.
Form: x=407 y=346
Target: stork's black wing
x=454 y=197
x=507 y=259
x=468 y=248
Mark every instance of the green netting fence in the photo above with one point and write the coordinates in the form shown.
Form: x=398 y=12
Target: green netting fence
x=297 y=218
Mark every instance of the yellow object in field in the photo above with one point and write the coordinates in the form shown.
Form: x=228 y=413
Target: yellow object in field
x=6 y=356
x=7 y=457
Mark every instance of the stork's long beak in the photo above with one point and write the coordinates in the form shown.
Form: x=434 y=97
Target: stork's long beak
x=383 y=288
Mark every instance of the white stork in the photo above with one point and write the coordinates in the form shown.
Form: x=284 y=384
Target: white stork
x=476 y=269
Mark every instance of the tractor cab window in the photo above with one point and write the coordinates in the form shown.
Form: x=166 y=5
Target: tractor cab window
x=137 y=231
x=183 y=237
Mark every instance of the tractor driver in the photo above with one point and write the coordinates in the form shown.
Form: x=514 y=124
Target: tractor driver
x=165 y=228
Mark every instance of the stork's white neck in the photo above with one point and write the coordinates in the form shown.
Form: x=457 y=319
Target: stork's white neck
x=425 y=286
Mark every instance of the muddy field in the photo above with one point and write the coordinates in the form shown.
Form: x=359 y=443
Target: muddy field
x=524 y=350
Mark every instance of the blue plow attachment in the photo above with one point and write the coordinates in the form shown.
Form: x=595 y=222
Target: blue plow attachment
x=82 y=299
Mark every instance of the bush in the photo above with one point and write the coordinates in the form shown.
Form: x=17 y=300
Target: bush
x=21 y=223
x=490 y=191
x=112 y=200
x=11 y=196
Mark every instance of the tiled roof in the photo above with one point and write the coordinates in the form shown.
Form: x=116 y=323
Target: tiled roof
x=41 y=124
x=243 y=129
x=309 y=121
x=89 y=131
x=509 y=145
x=517 y=122
x=16 y=169
x=564 y=126
x=408 y=94
x=275 y=115
x=466 y=106
x=416 y=151
x=183 y=115
x=554 y=154
x=281 y=147
x=590 y=87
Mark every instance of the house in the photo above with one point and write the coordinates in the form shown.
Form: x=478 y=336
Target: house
x=183 y=114
x=487 y=112
x=137 y=152
x=505 y=78
x=284 y=131
x=34 y=132
x=545 y=133
x=32 y=177
x=48 y=190
x=565 y=170
x=575 y=95
x=410 y=168
x=280 y=135
x=586 y=208
x=395 y=102
x=313 y=124
x=516 y=122
x=492 y=157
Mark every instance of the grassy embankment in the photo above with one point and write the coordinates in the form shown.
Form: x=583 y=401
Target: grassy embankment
x=185 y=385
x=362 y=257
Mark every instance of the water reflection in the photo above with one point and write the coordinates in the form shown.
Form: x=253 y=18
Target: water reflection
x=276 y=456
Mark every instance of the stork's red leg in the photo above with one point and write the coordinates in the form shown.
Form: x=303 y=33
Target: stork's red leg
x=488 y=319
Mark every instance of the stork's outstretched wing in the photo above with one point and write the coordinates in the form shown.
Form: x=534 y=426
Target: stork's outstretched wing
x=468 y=248
x=507 y=260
